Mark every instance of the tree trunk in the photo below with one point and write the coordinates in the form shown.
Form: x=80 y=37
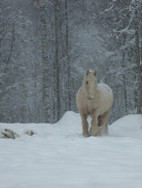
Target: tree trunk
x=141 y=31
x=124 y=82
x=137 y=52
x=67 y=57
x=44 y=61
x=56 y=64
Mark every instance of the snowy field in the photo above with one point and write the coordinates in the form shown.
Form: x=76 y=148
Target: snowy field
x=59 y=157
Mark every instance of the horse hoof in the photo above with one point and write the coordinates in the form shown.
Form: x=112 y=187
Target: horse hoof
x=85 y=134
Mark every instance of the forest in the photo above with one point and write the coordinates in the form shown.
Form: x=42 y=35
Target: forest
x=46 y=46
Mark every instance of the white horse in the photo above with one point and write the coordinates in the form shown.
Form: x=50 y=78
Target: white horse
x=94 y=100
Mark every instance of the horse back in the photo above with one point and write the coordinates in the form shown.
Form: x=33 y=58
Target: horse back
x=105 y=94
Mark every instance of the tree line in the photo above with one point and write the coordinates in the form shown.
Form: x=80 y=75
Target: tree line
x=47 y=45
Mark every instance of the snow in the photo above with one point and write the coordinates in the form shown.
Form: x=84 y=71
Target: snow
x=57 y=156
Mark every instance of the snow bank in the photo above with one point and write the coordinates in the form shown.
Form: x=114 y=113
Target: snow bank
x=128 y=126
x=59 y=157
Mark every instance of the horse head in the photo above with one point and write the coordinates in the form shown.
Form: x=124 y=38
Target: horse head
x=90 y=84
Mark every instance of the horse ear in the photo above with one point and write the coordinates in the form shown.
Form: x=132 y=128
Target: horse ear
x=87 y=72
x=95 y=73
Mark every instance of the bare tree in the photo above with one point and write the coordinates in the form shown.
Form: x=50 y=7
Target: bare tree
x=137 y=53
x=45 y=68
x=67 y=57
x=56 y=63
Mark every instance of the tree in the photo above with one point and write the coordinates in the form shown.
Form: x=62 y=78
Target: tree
x=7 y=38
x=137 y=8
x=45 y=67
x=67 y=57
x=124 y=26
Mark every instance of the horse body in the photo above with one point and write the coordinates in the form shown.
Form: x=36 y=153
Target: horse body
x=94 y=100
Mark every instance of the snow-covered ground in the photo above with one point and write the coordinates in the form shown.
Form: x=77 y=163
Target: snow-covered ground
x=59 y=157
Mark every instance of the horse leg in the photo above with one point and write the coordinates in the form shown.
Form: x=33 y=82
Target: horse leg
x=94 y=130
x=85 y=132
x=104 y=122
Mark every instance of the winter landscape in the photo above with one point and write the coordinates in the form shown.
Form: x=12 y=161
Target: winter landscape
x=58 y=156
x=47 y=49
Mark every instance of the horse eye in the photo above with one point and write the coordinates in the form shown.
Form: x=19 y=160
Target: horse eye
x=86 y=82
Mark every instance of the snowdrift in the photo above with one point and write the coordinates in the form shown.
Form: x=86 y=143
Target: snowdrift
x=128 y=126
x=70 y=124
x=57 y=156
